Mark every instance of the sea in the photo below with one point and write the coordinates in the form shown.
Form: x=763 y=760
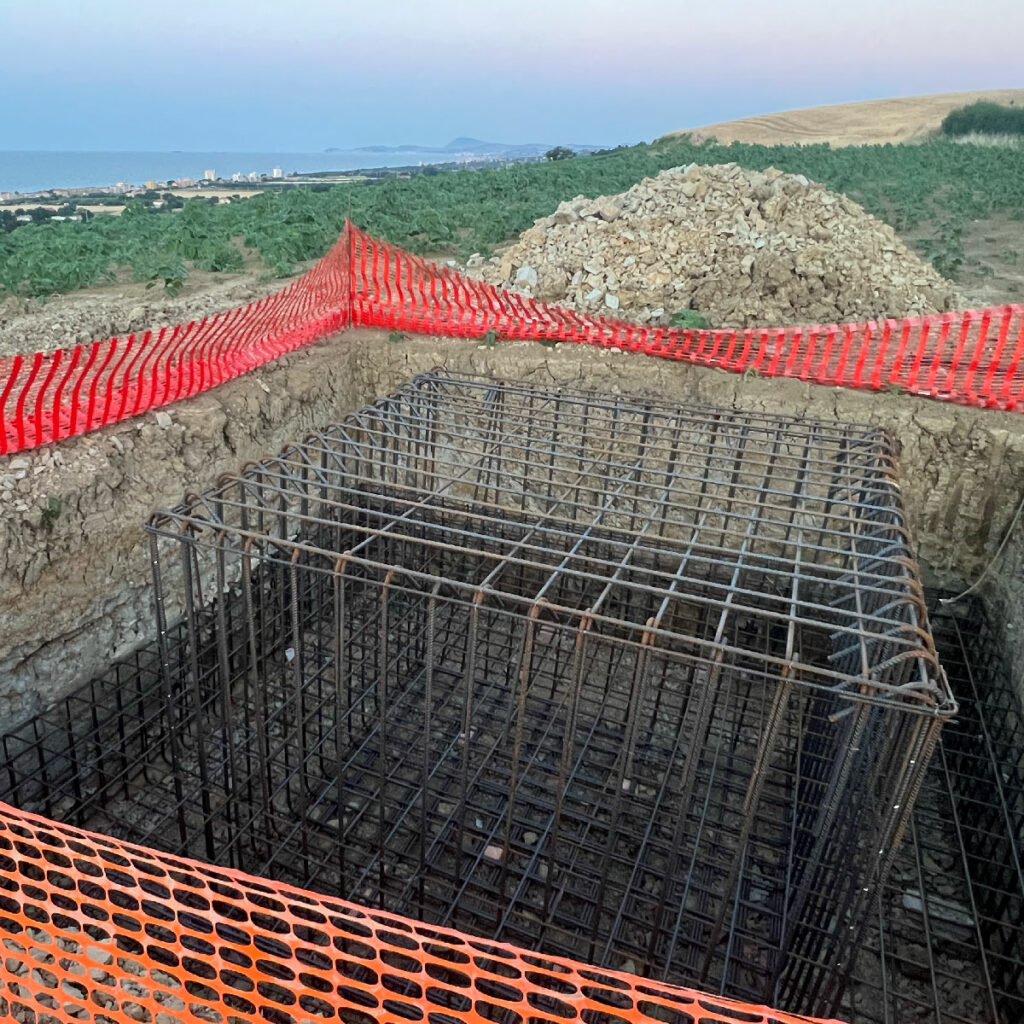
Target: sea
x=33 y=171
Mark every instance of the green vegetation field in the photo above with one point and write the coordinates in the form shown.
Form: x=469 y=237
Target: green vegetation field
x=941 y=184
x=984 y=119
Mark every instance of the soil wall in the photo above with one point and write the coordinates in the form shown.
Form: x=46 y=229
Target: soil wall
x=74 y=564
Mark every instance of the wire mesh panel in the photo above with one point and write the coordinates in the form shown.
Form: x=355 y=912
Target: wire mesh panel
x=946 y=940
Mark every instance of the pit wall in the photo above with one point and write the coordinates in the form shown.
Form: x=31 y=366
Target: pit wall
x=74 y=563
x=1003 y=591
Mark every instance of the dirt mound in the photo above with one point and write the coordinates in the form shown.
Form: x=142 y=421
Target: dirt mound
x=744 y=248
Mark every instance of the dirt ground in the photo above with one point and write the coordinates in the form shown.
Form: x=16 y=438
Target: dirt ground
x=32 y=325
x=993 y=270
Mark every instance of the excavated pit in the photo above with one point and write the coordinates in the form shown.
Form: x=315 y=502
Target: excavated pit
x=75 y=569
x=962 y=476
x=607 y=678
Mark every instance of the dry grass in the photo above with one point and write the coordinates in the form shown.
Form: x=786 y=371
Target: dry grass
x=905 y=119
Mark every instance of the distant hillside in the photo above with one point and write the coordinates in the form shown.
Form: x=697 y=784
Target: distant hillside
x=905 y=119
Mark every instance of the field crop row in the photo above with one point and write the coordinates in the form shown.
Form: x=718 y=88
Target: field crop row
x=941 y=183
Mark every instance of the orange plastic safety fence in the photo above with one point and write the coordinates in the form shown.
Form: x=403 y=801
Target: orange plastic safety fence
x=52 y=395
x=974 y=357
x=95 y=929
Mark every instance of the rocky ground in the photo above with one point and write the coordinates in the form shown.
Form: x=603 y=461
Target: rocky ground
x=743 y=248
x=33 y=325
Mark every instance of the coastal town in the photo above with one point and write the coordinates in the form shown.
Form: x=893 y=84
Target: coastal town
x=126 y=189
x=78 y=203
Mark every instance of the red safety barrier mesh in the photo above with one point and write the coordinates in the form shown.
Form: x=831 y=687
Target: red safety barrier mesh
x=972 y=358
x=49 y=396
x=95 y=929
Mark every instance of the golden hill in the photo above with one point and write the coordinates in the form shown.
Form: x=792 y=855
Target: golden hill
x=905 y=119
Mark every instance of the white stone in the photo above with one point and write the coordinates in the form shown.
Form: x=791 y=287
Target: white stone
x=942 y=909
x=527 y=276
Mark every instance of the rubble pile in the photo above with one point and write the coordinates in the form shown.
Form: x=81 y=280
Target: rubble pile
x=744 y=248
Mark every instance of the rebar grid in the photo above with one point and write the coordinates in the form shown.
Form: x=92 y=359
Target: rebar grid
x=800 y=523
x=565 y=669
x=946 y=944
x=649 y=686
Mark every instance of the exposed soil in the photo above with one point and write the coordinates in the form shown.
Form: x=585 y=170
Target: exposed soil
x=94 y=314
x=993 y=268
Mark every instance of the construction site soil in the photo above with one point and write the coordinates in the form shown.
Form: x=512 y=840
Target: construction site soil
x=94 y=314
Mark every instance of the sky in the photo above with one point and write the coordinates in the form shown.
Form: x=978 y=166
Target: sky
x=305 y=75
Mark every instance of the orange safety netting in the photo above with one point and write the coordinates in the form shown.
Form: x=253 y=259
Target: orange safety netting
x=100 y=930
x=971 y=358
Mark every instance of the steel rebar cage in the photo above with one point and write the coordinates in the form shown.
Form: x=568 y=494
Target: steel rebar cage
x=609 y=678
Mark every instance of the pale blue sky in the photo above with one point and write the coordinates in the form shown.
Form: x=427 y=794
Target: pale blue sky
x=302 y=75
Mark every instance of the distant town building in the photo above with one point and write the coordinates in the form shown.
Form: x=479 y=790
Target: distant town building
x=210 y=175
x=122 y=186
x=185 y=182
x=238 y=176
x=151 y=185
x=253 y=176
x=7 y=196
x=277 y=173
